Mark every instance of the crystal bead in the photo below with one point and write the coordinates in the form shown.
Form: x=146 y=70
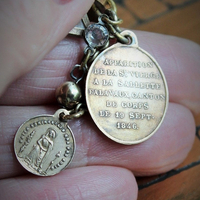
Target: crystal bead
x=96 y=35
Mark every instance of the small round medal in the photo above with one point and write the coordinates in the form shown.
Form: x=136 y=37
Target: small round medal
x=126 y=93
x=44 y=145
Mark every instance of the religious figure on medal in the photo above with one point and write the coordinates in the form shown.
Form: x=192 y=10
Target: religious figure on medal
x=41 y=149
x=44 y=145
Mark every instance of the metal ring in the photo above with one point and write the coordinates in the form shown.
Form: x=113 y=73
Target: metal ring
x=112 y=5
x=93 y=57
x=78 y=107
x=112 y=14
x=85 y=59
x=93 y=50
x=98 y=5
x=106 y=20
x=75 y=78
x=114 y=17
x=122 y=39
x=76 y=115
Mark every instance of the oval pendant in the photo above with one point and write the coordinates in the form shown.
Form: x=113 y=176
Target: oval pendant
x=44 y=145
x=126 y=93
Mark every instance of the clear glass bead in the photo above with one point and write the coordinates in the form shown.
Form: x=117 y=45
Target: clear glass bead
x=96 y=35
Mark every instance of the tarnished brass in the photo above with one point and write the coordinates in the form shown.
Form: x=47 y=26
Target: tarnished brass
x=44 y=145
x=109 y=21
x=81 y=26
x=68 y=94
x=120 y=38
x=126 y=92
x=103 y=4
x=108 y=5
x=73 y=114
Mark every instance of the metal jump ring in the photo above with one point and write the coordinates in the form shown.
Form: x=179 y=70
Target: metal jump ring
x=75 y=78
x=76 y=115
x=97 y=6
x=106 y=19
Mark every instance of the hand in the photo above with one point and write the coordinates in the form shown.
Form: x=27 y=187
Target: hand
x=101 y=168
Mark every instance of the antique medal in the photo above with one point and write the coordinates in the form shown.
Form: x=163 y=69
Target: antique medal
x=44 y=145
x=126 y=92
x=126 y=95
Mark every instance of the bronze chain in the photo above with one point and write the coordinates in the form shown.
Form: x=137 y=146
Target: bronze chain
x=108 y=16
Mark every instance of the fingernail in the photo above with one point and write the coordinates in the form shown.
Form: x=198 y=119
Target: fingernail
x=62 y=2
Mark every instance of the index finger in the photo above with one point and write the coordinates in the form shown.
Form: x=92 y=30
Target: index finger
x=180 y=62
x=178 y=58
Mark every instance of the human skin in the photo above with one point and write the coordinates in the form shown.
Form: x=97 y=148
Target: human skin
x=34 y=62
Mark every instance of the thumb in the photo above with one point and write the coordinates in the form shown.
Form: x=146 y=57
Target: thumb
x=30 y=29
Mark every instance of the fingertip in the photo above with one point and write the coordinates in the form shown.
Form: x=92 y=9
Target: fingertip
x=30 y=29
x=179 y=60
x=84 y=183
x=62 y=2
x=170 y=145
x=105 y=182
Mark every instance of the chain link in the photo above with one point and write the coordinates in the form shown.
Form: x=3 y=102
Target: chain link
x=73 y=114
x=77 y=69
x=108 y=17
x=79 y=72
x=100 y=9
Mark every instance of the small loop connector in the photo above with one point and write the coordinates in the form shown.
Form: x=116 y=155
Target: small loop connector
x=82 y=71
x=123 y=39
x=88 y=52
x=99 y=8
x=73 y=114
x=120 y=38
x=131 y=37
x=104 y=18
x=66 y=118
x=109 y=18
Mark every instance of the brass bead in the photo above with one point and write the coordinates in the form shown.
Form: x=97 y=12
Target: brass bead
x=68 y=95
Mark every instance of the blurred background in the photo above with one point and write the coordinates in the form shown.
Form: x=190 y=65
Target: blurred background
x=173 y=17
x=179 y=18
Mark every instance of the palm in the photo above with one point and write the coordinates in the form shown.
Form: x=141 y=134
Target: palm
x=101 y=168
x=100 y=165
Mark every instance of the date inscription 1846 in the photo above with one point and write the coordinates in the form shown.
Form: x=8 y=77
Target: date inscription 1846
x=126 y=93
